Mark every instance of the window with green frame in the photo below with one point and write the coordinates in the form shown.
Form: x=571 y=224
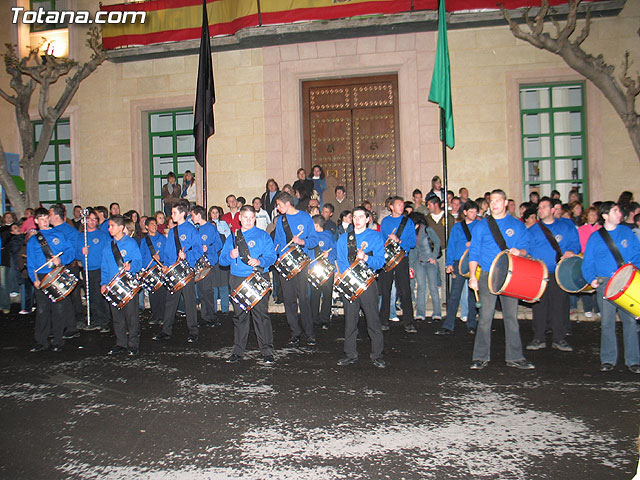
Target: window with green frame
x=54 y=178
x=171 y=149
x=47 y=5
x=554 y=155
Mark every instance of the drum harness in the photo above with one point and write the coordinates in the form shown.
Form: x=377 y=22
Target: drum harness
x=551 y=239
x=243 y=249
x=117 y=255
x=612 y=246
x=46 y=249
x=495 y=232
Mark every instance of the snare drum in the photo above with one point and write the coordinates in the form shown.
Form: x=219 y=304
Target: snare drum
x=569 y=275
x=58 y=283
x=355 y=280
x=151 y=279
x=623 y=289
x=178 y=275
x=518 y=277
x=122 y=288
x=291 y=262
x=393 y=255
x=251 y=291
x=320 y=270
x=202 y=268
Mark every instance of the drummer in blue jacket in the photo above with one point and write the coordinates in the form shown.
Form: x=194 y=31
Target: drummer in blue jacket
x=598 y=267
x=482 y=251
x=367 y=246
x=50 y=316
x=554 y=303
x=150 y=247
x=327 y=248
x=250 y=249
x=126 y=321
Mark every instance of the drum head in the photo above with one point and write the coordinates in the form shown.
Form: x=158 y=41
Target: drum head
x=499 y=272
x=50 y=277
x=569 y=274
x=619 y=281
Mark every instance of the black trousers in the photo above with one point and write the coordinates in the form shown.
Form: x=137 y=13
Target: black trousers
x=126 y=324
x=259 y=315
x=76 y=312
x=368 y=302
x=295 y=294
x=158 y=300
x=50 y=317
x=553 y=307
x=207 y=305
x=100 y=313
x=322 y=313
x=171 y=305
x=401 y=275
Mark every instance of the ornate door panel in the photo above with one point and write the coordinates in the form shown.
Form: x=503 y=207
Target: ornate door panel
x=350 y=129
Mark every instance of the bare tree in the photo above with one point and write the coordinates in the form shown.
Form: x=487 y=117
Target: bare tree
x=40 y=69
x=620 y=92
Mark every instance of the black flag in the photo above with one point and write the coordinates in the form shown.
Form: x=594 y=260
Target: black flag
x=205 y=95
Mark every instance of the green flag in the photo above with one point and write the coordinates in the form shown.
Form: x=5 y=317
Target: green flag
x=440 y=92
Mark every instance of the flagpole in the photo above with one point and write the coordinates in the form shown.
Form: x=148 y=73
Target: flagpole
x=445 y=186
x=204 y=169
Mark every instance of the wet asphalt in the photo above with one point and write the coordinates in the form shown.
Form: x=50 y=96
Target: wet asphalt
x=180 y=411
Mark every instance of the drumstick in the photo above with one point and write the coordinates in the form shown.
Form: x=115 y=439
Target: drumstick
x=295 y=236
x=47 y=262
x=319 y=256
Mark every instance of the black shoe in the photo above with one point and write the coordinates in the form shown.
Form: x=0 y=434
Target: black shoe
x=161 y=337
x=384 y=328
x=268 y=360
x=347 y=361
x=233 y=358
x=443 y=331
x=311 y=342
x=70 y=335
x=294 y=342
x=523 y=364
x=411 y=329
x=132 y=352
x=56 y=348
x=105 y=329
x=116 y=350
x=325 y=326
x=89 y=328
x=634 y=368
x=472 y=331
x=279 y=302
x=479 y=364
x=192 y=338
x=606 y=367
x=38 y=347
x=379 y=363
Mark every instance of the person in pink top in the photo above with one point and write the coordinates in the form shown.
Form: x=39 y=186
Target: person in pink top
x=590 y=225
x=29 y=222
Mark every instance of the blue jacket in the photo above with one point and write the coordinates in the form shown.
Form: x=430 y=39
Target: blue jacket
x=190 y=242
x=130 y=252
x=210 y=237
x=565 y=233
x=57 y=243
x=390 y=225
x=96 y=241
x=598 y=259
x=70 y=233
x=260 y=247
x=458 y=241
x=484 y=248
x=374 y=247
x=158 y=240
x=104 y=226
x=326 y=242
x=298 y=223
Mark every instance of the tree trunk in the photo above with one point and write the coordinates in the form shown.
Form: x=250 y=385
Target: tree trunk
x=32 y=188
x=10 y=188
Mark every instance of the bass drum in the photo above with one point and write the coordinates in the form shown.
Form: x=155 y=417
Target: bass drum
x=518 y=277
x=58 y=283
x=623 y=289
x=569 y=275
x=251 y=291
x=355 y=280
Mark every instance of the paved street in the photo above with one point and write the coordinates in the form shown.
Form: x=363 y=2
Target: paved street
x=180 y=412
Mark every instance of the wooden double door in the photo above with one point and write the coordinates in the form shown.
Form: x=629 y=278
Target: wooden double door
x=351 y=130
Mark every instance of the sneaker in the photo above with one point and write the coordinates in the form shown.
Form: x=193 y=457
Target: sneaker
x=523 y=364
x=268 y=360
x=38 y=348
x=436 y=319
x=311 y=342
x=419 y=318
x=192 y=338
x=443 y=331
x=132 y=352
x=384 y=328
x=14 y=294
x=379 y=363
x=293 y=342
x=562 y=345
x=70 y=335
x=479 y=364
x=24 y=312
x=89 y=328
x=325 y=326
x=536 y=345
x=588 y=314
x=634 y=368
x=6 y=311
x=161 y=337
x=116 y=350
x=394 y=319
x=606 y=367
x=463 y=319
x=56 y=348
x=105 y=329
x=410 y=329
x=343 y=362
x=233 y=358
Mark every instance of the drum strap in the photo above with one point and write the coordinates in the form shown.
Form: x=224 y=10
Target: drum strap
x=403 y=223
x=612 y=246
x=351 y=244
x=150 y=245
x=495 y=232
x=45 y=246
x=243 y=248
x=317 y=251
x=467 y=232
x=176 y=236
x=286 y=228
x=551 y=239
x=117 y=255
